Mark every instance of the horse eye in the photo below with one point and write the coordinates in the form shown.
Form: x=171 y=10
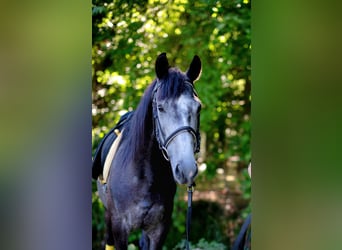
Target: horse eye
x=161 y=108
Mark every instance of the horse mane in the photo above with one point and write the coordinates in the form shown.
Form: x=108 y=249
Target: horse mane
x=140 y=129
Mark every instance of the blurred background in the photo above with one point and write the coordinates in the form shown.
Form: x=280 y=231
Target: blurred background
x=127 y=36
x=48 y=60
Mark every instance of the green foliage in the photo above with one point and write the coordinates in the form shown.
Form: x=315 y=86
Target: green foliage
x=208 y=221
x=128 y=36
x=202 y=244
x=177 y=230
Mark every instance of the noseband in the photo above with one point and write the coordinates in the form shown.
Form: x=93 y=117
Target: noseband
x=163 y=143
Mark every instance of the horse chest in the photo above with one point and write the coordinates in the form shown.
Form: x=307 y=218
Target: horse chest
x=142 y=200
x=144 y=213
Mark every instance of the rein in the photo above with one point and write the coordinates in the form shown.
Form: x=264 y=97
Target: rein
x=190 y=190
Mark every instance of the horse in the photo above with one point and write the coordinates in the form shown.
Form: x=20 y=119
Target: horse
x=156 y=151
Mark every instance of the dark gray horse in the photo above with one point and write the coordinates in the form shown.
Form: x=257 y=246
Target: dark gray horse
x=156 y=151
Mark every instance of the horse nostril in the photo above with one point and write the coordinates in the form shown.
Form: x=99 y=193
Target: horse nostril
x=177 y=171
x=179 y=174
x=194 y=173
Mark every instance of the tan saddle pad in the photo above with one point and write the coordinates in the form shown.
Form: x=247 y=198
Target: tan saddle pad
x=110 y=157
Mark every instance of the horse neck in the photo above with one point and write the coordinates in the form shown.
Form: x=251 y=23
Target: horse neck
x=141 y=140
x=145 y=158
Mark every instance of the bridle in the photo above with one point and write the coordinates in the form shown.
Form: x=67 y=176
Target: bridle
x=163 y=143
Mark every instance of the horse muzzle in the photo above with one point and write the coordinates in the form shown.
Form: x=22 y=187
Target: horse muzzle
x=185 y=172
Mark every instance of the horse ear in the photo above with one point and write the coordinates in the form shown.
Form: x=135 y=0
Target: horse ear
x=162 y=66
x=195 y=69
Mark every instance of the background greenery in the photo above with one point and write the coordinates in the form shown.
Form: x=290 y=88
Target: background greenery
x=127 y=37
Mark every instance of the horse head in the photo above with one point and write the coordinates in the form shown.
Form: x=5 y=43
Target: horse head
x=176 y=109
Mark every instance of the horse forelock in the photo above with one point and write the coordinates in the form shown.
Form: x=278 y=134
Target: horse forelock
x=174 y=85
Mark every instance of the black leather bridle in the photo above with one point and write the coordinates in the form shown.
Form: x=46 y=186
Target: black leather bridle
x=163 y=143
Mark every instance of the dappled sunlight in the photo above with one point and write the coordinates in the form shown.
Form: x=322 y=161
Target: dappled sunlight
x=202 y=167
x=230 y=178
